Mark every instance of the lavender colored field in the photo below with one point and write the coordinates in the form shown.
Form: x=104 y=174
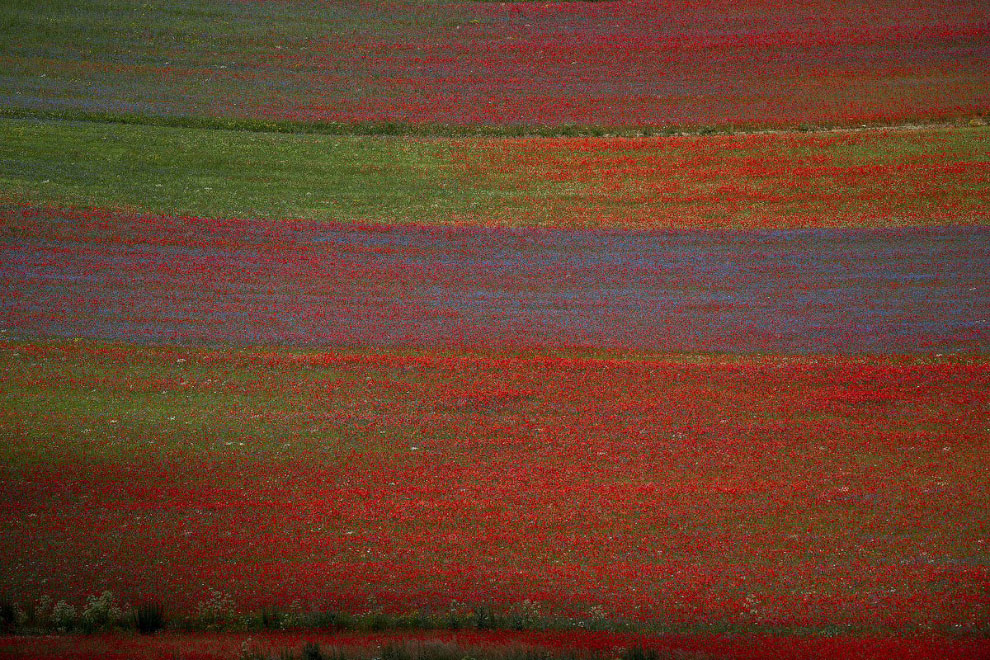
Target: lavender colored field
x=169 y=279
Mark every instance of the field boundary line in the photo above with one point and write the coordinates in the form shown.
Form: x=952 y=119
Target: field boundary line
x=402 y=129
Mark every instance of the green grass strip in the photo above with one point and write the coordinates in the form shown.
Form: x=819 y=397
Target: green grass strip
x=214 y=173
x=398 y=129
x=880 y=177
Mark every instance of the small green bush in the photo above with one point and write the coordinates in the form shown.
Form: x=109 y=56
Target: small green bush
x=64 y=616
x=526 y=616
x=102 y=613
x=216 y=612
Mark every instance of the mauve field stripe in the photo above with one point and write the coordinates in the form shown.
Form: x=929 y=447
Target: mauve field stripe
x=782 y=291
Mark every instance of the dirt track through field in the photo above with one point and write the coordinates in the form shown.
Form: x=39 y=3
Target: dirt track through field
x=168 y=279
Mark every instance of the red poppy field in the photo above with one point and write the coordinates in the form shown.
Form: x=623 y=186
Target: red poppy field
x=418 y=330
x=685 y=63
x=689 y=492
x=884 y=178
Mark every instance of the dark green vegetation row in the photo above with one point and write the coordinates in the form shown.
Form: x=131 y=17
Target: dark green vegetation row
x=452 y=651
x=406 y=129
x=106 y=614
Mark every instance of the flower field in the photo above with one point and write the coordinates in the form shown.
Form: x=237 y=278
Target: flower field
x=100 y=274
x=699 y=492
x=904 y=177
x=682 y=63
x=477 y=330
